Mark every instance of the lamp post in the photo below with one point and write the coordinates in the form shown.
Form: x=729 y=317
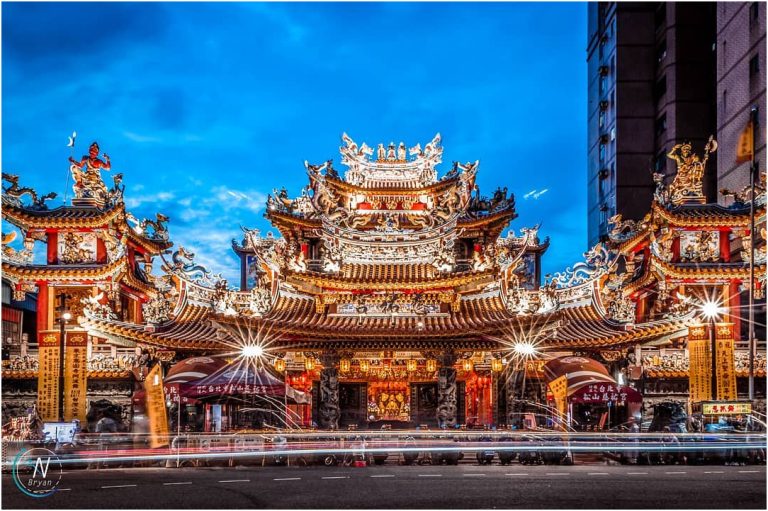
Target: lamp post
x=752 y=172
x=64 y=316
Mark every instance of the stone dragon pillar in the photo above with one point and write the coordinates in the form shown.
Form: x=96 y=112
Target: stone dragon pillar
x=446 y=390
x=328 y=408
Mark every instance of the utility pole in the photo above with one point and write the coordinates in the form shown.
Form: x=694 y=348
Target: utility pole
x=752 y=343
x=64 y=315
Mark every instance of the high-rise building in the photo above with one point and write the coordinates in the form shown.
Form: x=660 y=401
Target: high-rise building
x=652 y=69
x=741 y=81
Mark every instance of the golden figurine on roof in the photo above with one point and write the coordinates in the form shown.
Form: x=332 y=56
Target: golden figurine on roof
x=687 y=186
x=89 y=186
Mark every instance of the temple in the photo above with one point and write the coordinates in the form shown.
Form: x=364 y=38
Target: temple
x=390 y=295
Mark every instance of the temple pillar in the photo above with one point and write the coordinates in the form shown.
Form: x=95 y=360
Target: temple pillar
x=446 y=390
x=328 y=407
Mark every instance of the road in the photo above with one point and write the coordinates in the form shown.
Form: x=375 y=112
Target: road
x=391 y=486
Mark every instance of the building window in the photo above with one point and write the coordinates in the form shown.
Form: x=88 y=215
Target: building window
x=754 y=65
x=754 y=14
x=660 y=162
x=725 y=59
x=724 y=104
x=602 y=152
x=661 y=16
x=661 y=88
x=602 y=84
x=661 y=125
x=661 y=51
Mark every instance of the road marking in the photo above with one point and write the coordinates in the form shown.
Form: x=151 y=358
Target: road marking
x=335 y=477
x=287 y=479
x=715 y=472
x=674 y=472
x=597 y=473
x=474 y=475
x=515 y=474
x=637 y=473
x=236 y=481
x=748 y=471
x=430 y=475
x=119 y=486
x=171 y=484
x=384 y=475
x=557 y=474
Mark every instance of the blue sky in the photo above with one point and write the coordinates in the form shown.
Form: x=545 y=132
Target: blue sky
x=205 y=108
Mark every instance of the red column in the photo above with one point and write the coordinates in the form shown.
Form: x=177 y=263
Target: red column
x=734 y=303
x=101 y=251
x=676 y=249
x=42 y=306
x=305 y=250
x=53 y=244
x=725 y=246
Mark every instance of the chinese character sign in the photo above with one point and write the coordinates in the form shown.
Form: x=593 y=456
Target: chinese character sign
x=725 y=370
x=559 y=388
x=48 y=375
x=75 y=376
x=156 y=411
x=727 y=408
x=700 y=372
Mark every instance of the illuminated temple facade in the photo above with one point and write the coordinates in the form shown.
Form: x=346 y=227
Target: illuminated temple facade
x=392 y=294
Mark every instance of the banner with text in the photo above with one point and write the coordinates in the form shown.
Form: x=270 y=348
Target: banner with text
x=700 y=364
x=48 y=375
x=726 y=366
x=156 y=411
x=76 y=376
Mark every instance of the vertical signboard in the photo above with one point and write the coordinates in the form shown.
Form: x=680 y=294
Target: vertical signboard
x=725 y=370
x=700 y=364
x=559 y=389
x=48 y=376
x=75 y=376
x=156 y=411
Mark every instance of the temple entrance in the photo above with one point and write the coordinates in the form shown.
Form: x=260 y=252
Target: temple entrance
x=424 y=407
x=352 y=402
x=389 y=403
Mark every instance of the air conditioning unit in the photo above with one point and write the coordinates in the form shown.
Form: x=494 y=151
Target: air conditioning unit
x=604 y=104
x=603 y=174
x=604 y=70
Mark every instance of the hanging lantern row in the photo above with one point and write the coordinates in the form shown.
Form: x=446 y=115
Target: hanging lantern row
x=411 y=365
x=279 y=365
x=467 y=365
x=497 y=365
x=345 y=365
x=365 y=366
x=309 y=364
x=431 y=365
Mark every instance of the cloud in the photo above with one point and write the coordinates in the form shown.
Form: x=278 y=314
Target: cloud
x=535 y=194
x=140 y=138
x=134 y=201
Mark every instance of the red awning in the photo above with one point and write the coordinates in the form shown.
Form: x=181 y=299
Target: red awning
x=201 y=377
x=580 y=371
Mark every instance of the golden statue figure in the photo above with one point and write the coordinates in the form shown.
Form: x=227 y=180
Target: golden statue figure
x=87 y=175
x=687 y=186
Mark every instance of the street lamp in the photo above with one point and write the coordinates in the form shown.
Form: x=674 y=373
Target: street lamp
x=252 y=351
x=711 y=310
x=64 y=316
